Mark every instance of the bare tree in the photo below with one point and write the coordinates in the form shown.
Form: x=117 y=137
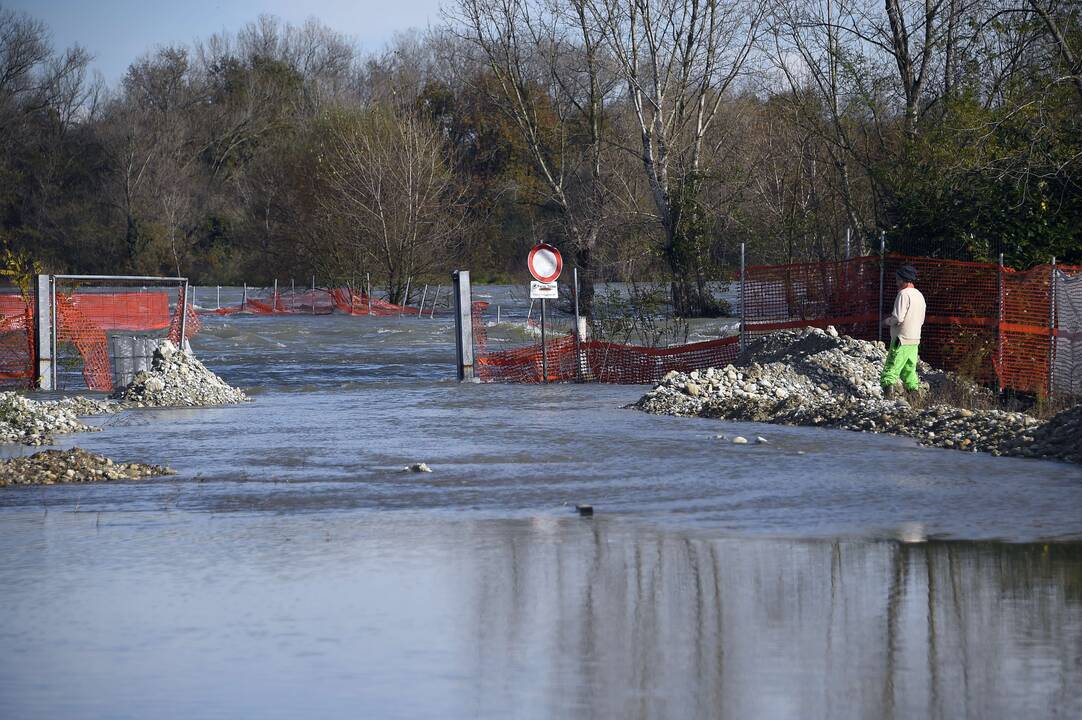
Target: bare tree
x=554 y=81
x=1070 y=54
x=678 y=59
x=391 y=199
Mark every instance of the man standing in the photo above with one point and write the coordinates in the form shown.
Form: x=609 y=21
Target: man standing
x=904 y=323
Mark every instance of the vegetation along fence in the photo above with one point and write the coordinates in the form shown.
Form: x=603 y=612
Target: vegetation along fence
x=1020 y=330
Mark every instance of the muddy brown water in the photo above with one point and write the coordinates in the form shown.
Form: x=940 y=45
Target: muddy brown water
x=292 y=569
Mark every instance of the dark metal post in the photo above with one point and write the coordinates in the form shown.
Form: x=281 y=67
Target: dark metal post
x=463 y=324
x=743 y=297
x=999 y=325
x=882 y=269
x=1052 y=332
x=578 y=337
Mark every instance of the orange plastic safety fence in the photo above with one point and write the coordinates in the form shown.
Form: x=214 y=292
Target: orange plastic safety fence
x=317 y=301
x=192 y=323
x=16 y=340
x=89 y=339
x=843 y=293
x=959 y=332
x=130 y=310
x=988 y=323
x=592 y=361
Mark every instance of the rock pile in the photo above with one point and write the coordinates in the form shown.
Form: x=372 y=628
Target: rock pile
x=28 y=422
x=177 y=379
x=1060 y=437
x=820 y=378
x=71 y=466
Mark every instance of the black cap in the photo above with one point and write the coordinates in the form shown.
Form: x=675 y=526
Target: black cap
x=907 y=273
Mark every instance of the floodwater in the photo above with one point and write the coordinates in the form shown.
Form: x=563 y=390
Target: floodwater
x=292 y=569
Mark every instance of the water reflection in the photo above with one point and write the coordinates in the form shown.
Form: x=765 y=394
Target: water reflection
x=407 y=615
x=690 y=627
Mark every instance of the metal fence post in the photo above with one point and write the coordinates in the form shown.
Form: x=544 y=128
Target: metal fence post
x=424 y=296
x=463 y=324
x=999 y=326
x=882 y=270
x=1052 y=332
x=43 y=336
x=743 y=297
x=183 y=313
x=435 y=299
x=578 y=339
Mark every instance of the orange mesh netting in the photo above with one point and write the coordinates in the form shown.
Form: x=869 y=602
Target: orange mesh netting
x=75 y=327
x=16 y=340
x=592 y=360
x=989 y=324
x=135 y=310
x=192 y=323
x=844 y=294
x=959 y=332
x=317 y=301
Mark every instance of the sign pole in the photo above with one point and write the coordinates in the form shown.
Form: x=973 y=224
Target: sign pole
x=544 y=349
x=545 y=264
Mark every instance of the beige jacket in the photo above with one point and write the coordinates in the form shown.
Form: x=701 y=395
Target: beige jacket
x=908 y=316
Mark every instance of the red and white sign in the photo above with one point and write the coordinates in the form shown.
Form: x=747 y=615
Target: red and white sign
x=545 y=263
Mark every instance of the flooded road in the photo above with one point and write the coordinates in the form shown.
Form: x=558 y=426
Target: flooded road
x=292 y=568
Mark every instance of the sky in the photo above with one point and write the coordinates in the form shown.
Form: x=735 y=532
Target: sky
x=118 y=31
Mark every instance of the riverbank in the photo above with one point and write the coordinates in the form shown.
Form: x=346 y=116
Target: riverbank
x=819 y=378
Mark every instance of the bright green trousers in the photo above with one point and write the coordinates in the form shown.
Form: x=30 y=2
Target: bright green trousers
x=901 y=363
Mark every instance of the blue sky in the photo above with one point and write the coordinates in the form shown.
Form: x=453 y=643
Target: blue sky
x=118 y=31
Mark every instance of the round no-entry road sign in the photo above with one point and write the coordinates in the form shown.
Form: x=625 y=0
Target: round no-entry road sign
x=545 y=263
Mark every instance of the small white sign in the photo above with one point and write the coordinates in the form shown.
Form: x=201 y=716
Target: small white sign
x=543 y=291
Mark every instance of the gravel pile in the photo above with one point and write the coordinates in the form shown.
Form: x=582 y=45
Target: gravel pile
x=1060 y=437
x=820 y=378
x=84 y=406
x=28 y=422
x=71 y=466
x=177 y=379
